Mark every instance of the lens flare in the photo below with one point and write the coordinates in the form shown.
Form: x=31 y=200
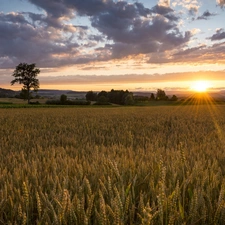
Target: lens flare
x=200 y=86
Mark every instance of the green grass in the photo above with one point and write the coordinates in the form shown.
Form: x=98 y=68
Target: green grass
x=5 y=103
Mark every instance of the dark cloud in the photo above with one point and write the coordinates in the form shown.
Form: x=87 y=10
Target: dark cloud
x=59 y=8
x=134 y=35
x=97 y=38
x=55 y=8
x=202 y=54
x=189 y=51
x=205 y=15
x=196 y=55
x=49 y=40
x=47 y=21
x=166 y=11
x=128 y=29
x=23 y=42
x=13 y=18
x=162 y=10
x=112 y=17
x=219 y=35
x=44 y=20
x=29 y=37
x=57 y=11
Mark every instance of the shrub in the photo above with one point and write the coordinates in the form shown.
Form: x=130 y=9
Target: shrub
x=35 y=103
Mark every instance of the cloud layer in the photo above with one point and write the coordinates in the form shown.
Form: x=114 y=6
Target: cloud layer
x=133 y=78
x=114 y=30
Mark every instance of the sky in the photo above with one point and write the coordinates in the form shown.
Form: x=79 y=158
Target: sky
x=84 y=45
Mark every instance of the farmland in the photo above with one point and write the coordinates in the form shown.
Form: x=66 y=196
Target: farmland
x=122 y=165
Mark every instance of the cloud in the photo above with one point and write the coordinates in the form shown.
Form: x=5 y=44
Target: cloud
x=121 y=30
x=201 y=54
x=205 y=15
x=115 y=30
x=13 y=18
x=122 y=23
x=165 y=3
x=166 y=11
x=189 y=51
x=5 y=78
x=58 y=8
x=54 y=8
x=131 y=78
x=132 y=34
x=30 y=37
x=195 y=31
x=193 y=9
x=219 y=35
x=221 y=2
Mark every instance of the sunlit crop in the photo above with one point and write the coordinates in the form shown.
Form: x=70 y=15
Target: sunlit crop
x=103 y=166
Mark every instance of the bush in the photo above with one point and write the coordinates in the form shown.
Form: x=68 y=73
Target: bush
x=102 y=99
x=35 y=103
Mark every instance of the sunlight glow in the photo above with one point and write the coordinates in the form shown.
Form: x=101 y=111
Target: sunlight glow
x=200 y=86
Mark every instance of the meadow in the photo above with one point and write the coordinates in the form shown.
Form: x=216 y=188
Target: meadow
x=105 y=166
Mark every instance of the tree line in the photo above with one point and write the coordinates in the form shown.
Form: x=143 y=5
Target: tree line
x=120 y=97
x=125 y=97
x=26 y=74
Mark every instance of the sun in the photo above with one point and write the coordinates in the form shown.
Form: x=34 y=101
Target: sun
x=200 y=86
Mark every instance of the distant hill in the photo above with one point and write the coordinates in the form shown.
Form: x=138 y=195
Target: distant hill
x=50 y=93
x=54 y=93
x=7 y=93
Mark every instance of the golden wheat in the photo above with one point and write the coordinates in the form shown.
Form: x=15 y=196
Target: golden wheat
x=156 y=165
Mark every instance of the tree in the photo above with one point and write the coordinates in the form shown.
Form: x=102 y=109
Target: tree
x=118 y=96
x=101 y=95
x=91 y=96
x=26 y=74
x=24 y=94
x=129 y=100
x=63 y=99
x=161 y=95
x=152 y=97
x=174 y=98
x=102 y=99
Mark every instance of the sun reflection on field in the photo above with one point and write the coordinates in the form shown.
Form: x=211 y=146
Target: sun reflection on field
x=199 y=97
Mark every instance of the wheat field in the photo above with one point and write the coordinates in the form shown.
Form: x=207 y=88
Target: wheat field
x=113 y=166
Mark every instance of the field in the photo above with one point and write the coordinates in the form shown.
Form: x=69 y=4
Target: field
x=102 y=166
x=20 y=101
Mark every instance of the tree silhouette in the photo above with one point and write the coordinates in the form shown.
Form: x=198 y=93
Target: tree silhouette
x=26 y=74
x=161 y=95
x=91 y=96
x=63 y=99
x=152 y=97
x=174 y=98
